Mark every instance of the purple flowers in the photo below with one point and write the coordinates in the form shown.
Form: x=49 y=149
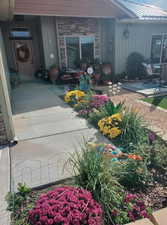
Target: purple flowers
x=151 y=137
x=84 y=112
x=137 y=208
x=99 y=100
x=66 y=205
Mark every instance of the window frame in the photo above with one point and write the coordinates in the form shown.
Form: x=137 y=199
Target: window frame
x=162 y=35
x=80 y=48
x=20 y=29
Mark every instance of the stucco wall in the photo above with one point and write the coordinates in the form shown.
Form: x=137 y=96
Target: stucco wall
x=140 y=36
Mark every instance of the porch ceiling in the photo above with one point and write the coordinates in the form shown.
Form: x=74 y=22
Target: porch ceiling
x=73 y=8
x=6 y=9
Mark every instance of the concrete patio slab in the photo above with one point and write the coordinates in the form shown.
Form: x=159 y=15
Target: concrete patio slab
x=5 y=184
x=42 y=160
x=38 y=111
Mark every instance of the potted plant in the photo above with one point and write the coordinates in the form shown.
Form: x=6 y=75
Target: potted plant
x=97 y=70
x=53 y=73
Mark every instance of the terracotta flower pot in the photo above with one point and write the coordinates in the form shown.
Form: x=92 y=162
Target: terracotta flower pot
x=97 y=76
x=53 y=74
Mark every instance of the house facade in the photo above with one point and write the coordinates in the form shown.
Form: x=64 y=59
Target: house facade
x=60 y=34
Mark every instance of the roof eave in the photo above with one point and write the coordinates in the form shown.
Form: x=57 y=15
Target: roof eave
x=143 y=21
x=122 y=7
x=6 y=10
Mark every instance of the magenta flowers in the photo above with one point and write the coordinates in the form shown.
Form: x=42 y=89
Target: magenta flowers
x=66 y=206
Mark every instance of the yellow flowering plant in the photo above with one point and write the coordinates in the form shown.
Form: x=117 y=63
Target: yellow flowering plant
x=110 y=126
x=74 y=97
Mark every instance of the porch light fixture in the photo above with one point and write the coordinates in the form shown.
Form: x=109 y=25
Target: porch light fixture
x=126 y=33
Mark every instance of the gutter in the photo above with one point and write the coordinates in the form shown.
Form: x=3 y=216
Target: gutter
x=142 y=21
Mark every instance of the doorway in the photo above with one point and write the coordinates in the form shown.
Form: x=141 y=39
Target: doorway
x=22 y=45
x=24 y=58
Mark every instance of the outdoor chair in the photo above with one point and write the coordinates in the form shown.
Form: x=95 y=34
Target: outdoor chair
x=150 y=74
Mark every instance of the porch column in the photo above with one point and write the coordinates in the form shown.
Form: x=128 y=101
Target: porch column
x=49 y=39
x=108 y=41
x=6 y=123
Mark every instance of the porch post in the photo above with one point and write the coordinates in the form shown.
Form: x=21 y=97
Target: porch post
x=5 y=106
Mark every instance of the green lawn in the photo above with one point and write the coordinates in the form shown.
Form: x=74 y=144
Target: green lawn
x=160 y=101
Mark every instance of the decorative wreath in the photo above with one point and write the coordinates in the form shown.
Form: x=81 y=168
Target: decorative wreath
x=23 y=53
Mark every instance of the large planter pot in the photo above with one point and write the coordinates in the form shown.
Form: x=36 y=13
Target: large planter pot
x=53 y=74
x=97 y=76
x=106 y=69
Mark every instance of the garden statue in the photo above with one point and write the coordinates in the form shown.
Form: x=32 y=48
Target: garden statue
x=85 y=80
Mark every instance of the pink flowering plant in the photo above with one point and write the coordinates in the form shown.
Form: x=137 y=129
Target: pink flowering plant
x=66 y=206
x=98 y=101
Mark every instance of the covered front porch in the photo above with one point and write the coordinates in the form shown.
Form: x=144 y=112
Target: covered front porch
x=67 y=43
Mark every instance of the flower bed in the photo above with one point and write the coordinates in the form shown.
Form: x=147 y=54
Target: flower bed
x=114 y=184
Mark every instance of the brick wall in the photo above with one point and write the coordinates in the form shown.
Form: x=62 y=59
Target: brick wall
x=77 y=27
x=3 y=136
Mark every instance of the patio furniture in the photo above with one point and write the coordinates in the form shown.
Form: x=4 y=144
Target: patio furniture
x=153 y=71
x=164 y=74
x=70 y=75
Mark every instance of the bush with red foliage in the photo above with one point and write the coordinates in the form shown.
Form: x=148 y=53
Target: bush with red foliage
x=66 y=206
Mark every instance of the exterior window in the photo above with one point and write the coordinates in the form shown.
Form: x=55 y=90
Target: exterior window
x=79 y=48
x=20 y=34
x=159 y=49
x=164 y=49
x=73 y=51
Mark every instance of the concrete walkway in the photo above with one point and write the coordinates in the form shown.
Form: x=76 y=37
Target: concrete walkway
x=48 y=132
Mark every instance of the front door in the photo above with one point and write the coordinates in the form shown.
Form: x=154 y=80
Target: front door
x=24 y=58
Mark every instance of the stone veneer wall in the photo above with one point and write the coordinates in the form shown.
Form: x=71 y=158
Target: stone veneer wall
x=3 y=135
x=77 y=27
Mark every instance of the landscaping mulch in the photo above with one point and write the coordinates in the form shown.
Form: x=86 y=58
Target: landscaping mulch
x=156 y=197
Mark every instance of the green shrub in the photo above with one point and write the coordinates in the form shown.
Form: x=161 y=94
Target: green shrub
x=134 y=67
x=134 y=174
x=110 y=108
x=93 y=173
x=15 y=200
x=133 y=129
x=95 y=116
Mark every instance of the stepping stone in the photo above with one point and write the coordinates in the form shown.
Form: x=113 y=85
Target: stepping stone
x=141 y=222
x=161 y=216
